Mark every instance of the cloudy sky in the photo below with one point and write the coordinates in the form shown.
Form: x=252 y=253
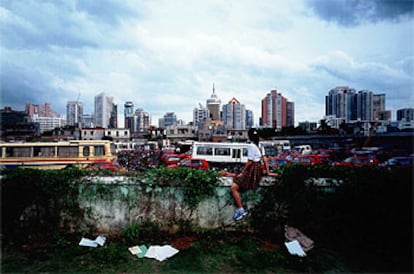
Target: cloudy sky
x=165 y=55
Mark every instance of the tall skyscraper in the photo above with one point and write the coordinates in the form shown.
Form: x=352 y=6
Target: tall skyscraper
x=168 y=119
x=405 y=114
x=129 y=116
x=249 y=119
x=234 y=115
x=103 y=110
x=339 y=102
x=213 y=106
x=277 y=112
x=200 y=114
x=74 y=113
x=347 y=104
x=142 y=120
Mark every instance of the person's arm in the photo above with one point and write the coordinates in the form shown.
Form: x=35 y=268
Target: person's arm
x=266 y=164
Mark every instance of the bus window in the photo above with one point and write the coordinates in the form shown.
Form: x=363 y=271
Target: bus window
x=204 y=151
x=43 y=151
x=222 y=151
x=18 y=152
x=86 y=151
x=67 y=151
x=236 y=153
x=245 y=152
x=99 y=150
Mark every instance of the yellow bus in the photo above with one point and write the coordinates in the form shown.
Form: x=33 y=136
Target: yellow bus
x=55 y=155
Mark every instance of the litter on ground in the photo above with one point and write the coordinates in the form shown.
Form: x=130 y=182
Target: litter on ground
x=100 y=240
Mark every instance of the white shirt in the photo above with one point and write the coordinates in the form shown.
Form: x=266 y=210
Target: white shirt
x=253 y=153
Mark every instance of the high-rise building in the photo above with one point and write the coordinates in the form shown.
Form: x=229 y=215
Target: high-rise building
x=129 y=116
x=40 y=110
x=200 y=114
x=103 y=110
x=277 y=111
x=234 y=115
x=348 y=105
x=142 y=121
x=249 y=119
x=213 y=106
x=74 y=113
x=405 y=114
x=44 y=116
x=339 y=102
x=168 y=119
x=113 y=119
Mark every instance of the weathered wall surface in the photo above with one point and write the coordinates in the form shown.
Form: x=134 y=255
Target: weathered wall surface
x=111 y=203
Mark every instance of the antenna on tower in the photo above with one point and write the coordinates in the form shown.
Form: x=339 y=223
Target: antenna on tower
x=77 y=99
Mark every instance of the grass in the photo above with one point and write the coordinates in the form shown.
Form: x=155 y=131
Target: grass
x=208 y=252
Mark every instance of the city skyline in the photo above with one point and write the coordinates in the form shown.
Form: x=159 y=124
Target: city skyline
x=165 y=56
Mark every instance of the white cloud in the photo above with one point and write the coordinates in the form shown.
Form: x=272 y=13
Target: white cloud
x=165 y=55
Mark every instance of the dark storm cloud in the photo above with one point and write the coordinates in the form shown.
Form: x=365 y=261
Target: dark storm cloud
x=351 y=13
x=20 y=85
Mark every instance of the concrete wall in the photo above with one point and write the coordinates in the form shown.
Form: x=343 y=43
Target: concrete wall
x=112 y=203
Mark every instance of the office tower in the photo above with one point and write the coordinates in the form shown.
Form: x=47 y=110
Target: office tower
x=339 y=103
x=405 y=114
x=277 y=111
x=74 y=113
x=129 y=116
x=113 y=119
x=213 y=106
x=168 y=119
x=142 y=120
x=200 y=114
x=378 y=107
x=347 y=104
x=44 y=116
x=290 y=114
x=249 y=119
x=103 y=110
x=234 y=115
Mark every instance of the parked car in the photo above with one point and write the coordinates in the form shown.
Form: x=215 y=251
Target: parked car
x=111 y=166
x=399 y=161
x=307 y=160
x=358 y=160
x=190 y=163
x=174 y=158
x=276 y=162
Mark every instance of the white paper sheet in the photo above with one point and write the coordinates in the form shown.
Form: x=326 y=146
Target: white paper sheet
x=161 y=253
x=294 y=248
x=100 y=240
x=87 y=242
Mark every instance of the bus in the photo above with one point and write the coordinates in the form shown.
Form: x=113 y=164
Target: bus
x=226 y=155
x=56 y=155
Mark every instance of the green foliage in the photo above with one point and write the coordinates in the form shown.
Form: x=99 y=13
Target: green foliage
x=35 y=199
x=356 y=213
x=130 y=234
x=197 y=185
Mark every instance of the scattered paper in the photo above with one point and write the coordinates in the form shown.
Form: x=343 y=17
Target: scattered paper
x=161 y=253
x=100 y=240
x=138 y=251
x=87 y=242
x=294 y=248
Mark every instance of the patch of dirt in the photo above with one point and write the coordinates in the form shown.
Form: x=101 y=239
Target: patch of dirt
x=183 y=242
